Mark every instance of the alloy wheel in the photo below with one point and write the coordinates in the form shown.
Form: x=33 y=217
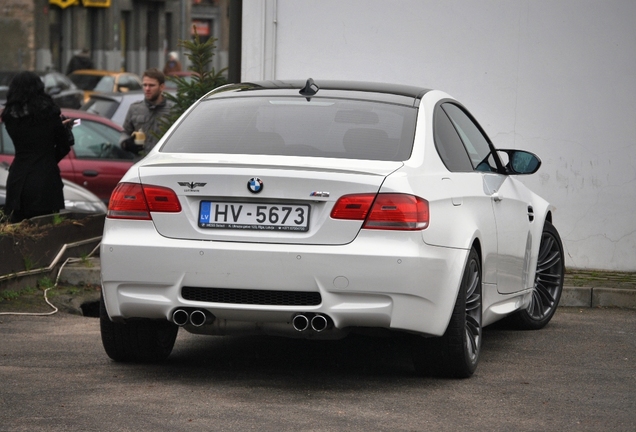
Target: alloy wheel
x=473 y=311
x=548 y=278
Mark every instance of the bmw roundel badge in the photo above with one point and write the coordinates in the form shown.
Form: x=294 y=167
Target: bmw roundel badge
x=255 y=185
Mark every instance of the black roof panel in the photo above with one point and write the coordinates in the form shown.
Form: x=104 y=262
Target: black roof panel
x=381 y=91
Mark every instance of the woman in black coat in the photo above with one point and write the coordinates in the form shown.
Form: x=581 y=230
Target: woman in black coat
x=42 y=137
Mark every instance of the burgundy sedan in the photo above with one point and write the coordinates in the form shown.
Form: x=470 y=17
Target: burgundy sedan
x=96 y=161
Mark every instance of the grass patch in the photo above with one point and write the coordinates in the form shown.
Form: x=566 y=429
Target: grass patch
x=11 y=295
x=596 y=278
x=85 y=260
x=30 y=299
x=58 y=219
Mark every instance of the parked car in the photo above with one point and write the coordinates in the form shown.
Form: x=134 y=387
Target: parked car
x=315 y=209
x=76 y=198
x=62 y=90
x=96 y=161
x=113 y=106
x=98 y=81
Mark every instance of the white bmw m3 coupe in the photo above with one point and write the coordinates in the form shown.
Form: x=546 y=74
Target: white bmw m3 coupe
x=314 y=209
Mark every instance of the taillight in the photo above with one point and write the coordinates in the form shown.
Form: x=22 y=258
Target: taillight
x=134 y=201
x=354 y=207
x=384 y=211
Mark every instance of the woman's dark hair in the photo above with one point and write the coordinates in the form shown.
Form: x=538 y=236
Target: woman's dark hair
x=26 y=96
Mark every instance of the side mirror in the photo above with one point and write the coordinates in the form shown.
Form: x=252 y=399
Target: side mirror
x=519 y=161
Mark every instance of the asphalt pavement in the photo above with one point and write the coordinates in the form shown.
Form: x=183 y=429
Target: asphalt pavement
x=577 y=374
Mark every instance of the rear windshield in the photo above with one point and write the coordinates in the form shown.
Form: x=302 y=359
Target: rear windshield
x=292 y=126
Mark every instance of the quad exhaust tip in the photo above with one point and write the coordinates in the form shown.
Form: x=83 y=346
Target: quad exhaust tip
x=317 y=323
x=197 y=317
x=301 y=322
x=180 y=317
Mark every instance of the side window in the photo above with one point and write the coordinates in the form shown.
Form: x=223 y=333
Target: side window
x=474 y=141
x=6 y=146
x=449 y=146
x=97 y=141
x=49 y=82
x=62 y=82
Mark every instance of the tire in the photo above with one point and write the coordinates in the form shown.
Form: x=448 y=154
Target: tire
x=142 y=341
x=456 y=353
x=548 y=283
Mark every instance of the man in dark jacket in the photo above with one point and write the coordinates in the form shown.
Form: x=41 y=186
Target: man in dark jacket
x=81 y=60
x=142 y=124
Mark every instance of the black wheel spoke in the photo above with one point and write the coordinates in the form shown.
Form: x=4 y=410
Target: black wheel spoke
x=473 y=310
x=545 y=294
x=548 y=278
x=472 y=325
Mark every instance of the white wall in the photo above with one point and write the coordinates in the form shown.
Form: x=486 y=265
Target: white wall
x=556 y=77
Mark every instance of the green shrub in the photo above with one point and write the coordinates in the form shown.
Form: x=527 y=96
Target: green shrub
x=202 y=81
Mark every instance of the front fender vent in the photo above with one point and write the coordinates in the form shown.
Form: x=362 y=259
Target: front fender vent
x=251 y=296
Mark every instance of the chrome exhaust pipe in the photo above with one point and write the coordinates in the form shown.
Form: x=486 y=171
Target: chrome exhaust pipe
x=180 y=317
x=319 y=323
x=198 y=318
x=300 y=322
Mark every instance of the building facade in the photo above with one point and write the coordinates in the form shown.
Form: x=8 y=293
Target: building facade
x=127 y=35
x=552 y=77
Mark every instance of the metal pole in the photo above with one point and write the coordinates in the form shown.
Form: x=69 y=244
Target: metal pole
x=234 y=49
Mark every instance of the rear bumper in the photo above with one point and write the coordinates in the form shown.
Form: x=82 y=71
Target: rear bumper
x=386 y=280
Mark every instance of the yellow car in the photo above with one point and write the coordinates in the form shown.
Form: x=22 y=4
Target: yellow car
x=101 y=81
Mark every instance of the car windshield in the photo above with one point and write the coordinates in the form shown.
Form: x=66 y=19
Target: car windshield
x=295 y=126
x=91 y=82
x=106 y=84
x=103 y=107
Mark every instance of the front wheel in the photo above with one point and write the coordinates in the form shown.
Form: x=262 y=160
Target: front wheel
x=136 y=341
x=456 y=353
x=548 y=283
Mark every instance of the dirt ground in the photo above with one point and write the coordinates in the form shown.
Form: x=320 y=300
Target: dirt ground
x=78 y=300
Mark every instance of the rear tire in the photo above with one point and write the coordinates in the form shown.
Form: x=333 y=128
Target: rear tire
x=548 y=283
x=456 y=353
x=142 y=341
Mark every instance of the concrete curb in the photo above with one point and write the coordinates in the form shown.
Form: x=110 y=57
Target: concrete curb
x=88 y=273
x=85 y=272
x=598 y=297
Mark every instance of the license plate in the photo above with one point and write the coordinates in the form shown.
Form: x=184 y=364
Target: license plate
x=248 y=216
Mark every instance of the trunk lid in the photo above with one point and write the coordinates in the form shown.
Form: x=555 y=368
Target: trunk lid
x=299 y=191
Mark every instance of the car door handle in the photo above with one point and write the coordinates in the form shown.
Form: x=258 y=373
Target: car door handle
x=90 y=173
x=497 y=197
